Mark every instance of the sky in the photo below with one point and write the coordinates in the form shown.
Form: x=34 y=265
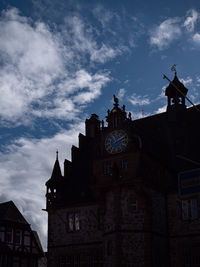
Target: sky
x=61 y=61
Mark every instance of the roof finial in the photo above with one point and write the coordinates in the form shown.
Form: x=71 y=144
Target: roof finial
x=173 y=68
x=57 y=154
x=116 y=100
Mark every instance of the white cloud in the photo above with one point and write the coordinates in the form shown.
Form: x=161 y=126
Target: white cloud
x=195 y=96
x=26 y=166
x=188 y=81
x=196 y=38
x=121 y=94
x=164 y=34
x=138 y=115
x=41 y=70
x=198 y=79
x=104 y=16
x=139 y=100
x=104 y=54
x=161 y=109
x=191 y=19
x=83 y=41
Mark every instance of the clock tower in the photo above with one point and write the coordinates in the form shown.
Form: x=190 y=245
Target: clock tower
x=119 y=147
x=119 y=190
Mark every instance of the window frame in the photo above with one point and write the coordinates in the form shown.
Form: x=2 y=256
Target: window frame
x=130 y=200
x=125 y=164
x=6 y=235
x=189 y=209
x=18 y=231
x=107 y=167
x=73 y=223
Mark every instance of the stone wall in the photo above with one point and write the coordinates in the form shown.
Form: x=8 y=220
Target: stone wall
x=84 y=242
x=184 y=234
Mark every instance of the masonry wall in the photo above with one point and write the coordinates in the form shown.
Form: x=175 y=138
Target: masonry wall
x=128 y=230
x=184 y=234
x=85 y=243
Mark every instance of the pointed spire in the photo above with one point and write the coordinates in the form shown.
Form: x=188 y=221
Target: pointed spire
x=56 y=176
x=56 y=173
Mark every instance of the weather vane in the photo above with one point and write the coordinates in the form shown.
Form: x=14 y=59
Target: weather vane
x=173 y=68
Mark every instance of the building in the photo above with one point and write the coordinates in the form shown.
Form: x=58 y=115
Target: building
x=130 y=195
x=19 y=245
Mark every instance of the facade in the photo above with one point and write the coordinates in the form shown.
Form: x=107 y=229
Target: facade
x=19 y=245
x=130 y=195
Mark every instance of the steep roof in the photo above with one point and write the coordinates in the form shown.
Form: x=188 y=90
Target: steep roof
x=172 y=91
x=56 y=173
x=56 y=176
x=37 y=239
x=10 y=213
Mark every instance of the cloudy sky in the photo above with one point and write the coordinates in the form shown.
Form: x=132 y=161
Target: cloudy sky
x=63 y=60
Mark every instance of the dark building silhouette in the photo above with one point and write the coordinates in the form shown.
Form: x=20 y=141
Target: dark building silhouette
x=130 y=195
x=19 y=245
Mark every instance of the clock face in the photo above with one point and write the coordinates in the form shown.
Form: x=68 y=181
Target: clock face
x=116 y=141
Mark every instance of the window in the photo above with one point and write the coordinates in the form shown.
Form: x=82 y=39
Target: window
x=125 y=164
x=132 y=204
x=1 y=234
x=92 y=259
x=100 y=221
x=73 y=222
x=62 y=261
x=107 y=167
x=9 y=235
x=191 y=257
x=27 y=238
x=189 y=209
x=16 y=262
x=18 y=237
x=76 y=260
x=77 y=221
x=109 y=248
x=70 y=261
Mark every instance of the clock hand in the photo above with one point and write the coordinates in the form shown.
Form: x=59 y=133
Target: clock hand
x=118 y=140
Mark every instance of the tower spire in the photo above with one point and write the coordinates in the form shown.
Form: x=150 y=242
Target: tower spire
x=56 y=173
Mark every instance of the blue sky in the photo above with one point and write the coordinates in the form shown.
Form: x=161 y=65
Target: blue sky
x=63 y=60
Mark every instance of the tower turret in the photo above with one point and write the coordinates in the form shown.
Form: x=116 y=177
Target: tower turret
x=54 y=184
x=176 y=93
x=117 y=116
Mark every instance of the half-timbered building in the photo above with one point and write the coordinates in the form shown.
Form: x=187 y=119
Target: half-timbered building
x=19 y=245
